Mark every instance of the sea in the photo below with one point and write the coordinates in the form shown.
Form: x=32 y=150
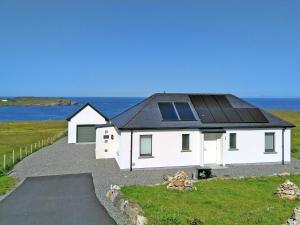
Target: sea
x=112 y=106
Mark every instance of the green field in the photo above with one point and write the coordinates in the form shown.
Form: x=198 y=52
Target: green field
x=16 y=135
x=293 y=117
x=216 y=202
x=35 y=101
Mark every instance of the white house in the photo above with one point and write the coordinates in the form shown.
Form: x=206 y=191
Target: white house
x=173 y=130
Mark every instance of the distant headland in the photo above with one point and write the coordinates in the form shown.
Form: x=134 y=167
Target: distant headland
x=36 y=101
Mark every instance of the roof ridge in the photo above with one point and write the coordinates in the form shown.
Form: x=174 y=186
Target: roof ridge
x=149 y=100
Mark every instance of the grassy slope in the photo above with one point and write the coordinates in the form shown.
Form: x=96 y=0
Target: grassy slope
x=14 y=135
x=29 y=101
x=293 y=117
x=222 y=202
x=6 y=183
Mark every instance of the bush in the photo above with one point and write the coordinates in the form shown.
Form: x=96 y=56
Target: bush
x=195 y=221
x=170 y=220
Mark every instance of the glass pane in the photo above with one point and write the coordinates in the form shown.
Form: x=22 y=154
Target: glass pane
x=167 y=111
x=185 y=141
x=232 y=140
x=146 y=145
x=269 y=142
x=184 y=111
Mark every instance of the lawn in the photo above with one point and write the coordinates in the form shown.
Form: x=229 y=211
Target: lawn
x=6 y=183
x=16 y=135
x=216 y=202
x=293 y=117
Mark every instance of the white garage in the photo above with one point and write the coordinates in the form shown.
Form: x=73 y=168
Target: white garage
x=82 y=124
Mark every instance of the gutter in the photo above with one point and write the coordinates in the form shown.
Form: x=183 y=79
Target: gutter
x=131 y=135
x=283 y=130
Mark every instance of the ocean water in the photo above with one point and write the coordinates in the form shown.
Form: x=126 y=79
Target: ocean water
x=113 y=106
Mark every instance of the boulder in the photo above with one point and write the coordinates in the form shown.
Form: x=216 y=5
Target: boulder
x=180 y=182
x=288 y=190
x=295 y=218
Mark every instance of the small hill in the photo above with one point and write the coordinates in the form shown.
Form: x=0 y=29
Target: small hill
x=36 y=101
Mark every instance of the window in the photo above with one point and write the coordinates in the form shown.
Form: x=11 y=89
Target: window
x=185 y=142
x=146 y=145
x=167 y=111
x=184 y=111
x=269 y=142
x=232 y=141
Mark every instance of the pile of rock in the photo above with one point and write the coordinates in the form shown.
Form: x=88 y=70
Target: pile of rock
x=132 y=210
x=295 y=219
x=288 y=190
x=180 y=182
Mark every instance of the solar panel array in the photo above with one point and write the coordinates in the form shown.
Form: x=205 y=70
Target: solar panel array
x=184 y=112
x=217 y=109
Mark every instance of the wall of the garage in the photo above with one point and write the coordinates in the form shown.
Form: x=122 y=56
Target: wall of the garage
x=87 y=116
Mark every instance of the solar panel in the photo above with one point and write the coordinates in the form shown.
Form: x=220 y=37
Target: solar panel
x=232 y=115
x=257 y=115
x=167 y=111
x=218 y=109
x=201 y=109
x=245 y=115
x=184 y=111
x=222 y=101
x=215 y=109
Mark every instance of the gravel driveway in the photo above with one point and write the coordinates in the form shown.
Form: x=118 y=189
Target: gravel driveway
x=62 y=158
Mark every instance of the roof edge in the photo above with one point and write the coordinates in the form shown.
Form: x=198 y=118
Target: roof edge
x=83 y=107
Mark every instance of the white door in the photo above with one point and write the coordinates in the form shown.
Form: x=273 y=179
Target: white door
x=211 y=148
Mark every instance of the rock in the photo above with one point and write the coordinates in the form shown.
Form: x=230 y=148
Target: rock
x=109 y=193
x=180 y=182
x=288 y=190
x=132 y=210
x=141 y=220
x=295 y=219
x=296 y=214
x=284 y=174
x=115 y=187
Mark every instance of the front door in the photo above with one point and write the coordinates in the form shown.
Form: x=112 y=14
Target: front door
x=212 y=148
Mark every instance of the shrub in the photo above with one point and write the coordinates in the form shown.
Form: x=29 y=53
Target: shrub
x=170 y=220
x=195 y=221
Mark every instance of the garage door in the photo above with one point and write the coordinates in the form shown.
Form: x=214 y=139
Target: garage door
x=86 y=133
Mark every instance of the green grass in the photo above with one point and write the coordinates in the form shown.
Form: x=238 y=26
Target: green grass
x=293 y=117
x=14 y=135
x=6 y=183
x=216 y=202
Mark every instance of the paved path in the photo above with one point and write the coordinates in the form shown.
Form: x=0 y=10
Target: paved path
x=54 y=200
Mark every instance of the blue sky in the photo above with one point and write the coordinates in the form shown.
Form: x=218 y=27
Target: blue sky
x=135 y=48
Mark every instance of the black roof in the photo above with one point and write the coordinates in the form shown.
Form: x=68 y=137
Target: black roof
x=211 y=111
x=87 y=104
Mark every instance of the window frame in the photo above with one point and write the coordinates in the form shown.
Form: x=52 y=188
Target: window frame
x=145 y=155
x=182 y=147
x=270 y=150
x=235 y=147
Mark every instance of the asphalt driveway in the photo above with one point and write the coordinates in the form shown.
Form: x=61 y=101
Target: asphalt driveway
x=54 y=200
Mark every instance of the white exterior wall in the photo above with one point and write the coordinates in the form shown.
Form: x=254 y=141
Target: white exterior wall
x=166 y=149
x=106 y=148
x=123 y=153
x=87 y=116
x=251 y=147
